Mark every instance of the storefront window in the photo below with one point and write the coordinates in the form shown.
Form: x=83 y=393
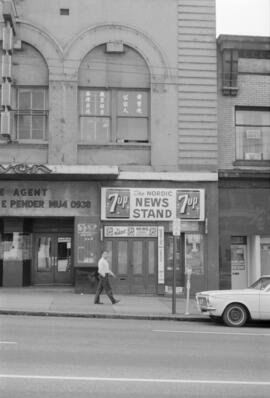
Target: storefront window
x=194 y=253
x=15 y=246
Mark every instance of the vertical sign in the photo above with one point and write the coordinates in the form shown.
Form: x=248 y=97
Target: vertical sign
x=132 y=103
x=160 y=255
x=95 y=102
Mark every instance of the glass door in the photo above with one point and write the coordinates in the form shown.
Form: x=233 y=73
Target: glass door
x=143 y=271
x=52 y=259
x=265 y=255
x=134 y=262
x=137 y=266
x=169 y=263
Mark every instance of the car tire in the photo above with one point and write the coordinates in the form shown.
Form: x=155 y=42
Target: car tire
x=235 y=315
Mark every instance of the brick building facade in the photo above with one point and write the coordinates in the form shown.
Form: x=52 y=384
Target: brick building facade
x=244 y=158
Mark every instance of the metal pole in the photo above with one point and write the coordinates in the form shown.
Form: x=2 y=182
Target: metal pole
x=189 y=270
x=174 y=276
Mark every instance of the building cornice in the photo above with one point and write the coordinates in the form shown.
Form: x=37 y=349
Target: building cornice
x=90 y=172
x=170 y=176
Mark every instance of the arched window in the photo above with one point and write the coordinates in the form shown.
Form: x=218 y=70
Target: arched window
x=114 y=85
x=30 y=106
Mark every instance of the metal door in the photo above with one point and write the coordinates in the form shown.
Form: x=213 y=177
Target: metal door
x=239 y=266
x=52 y=263
x=265 y=255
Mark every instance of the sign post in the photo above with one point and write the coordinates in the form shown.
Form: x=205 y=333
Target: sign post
x=176 y=234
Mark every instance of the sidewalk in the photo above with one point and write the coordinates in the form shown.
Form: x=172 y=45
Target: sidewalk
x=46 y=301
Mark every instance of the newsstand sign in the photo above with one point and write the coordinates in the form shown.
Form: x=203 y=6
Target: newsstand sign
x=152 y=204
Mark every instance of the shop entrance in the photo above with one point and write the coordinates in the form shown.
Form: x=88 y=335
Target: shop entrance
x=134 y=261
x=52 y=257
x=239 y=265
x=265 y=255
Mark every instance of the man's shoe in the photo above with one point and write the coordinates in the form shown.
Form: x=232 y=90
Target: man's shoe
x=98 y=303
x=116 y=301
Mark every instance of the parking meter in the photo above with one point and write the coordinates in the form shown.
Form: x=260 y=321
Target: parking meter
x=188 y=272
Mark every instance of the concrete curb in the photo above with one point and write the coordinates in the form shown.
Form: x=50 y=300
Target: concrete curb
x=183 y=318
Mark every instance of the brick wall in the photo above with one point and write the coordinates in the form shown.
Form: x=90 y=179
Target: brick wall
x=253 y=90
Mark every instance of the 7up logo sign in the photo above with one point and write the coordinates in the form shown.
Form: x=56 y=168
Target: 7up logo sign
x=188 y=204
x=117 y=203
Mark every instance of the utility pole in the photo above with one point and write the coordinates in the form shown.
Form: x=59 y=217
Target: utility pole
x=176 y=234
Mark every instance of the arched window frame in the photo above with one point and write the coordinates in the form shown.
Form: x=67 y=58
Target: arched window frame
x=114 y=115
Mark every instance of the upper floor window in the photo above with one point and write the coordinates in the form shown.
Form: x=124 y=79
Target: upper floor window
x=31 y=114
x=114 y=96
x=114 y=115
x=252 y=134
x=26 y=105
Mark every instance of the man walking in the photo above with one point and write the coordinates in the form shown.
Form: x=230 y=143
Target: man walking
x=104 y=283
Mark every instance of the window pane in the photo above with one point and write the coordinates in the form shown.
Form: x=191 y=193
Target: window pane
x=108 y=248
x=95 y=129
x=265 y=255
x=38 y=127
x=252 y=118
x=194 y=253
x=31 y=124
x=253 y=144
x=38 y=99
x=122 y=257
x=15 y=246
x=24 y=127
x=44 y=254
x=151 y=258
x=24 y=99
x=95 y=102
x=137 y=257
x=132 y=129
x=132 y=103
x=63 y=254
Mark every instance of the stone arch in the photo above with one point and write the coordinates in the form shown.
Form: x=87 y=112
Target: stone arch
x=45 y=43
x=29 y=66
x=92 y=37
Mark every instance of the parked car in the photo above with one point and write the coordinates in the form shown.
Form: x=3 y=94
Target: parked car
x=235 y=307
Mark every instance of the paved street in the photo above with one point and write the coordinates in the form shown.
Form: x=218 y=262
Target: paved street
x=60 y=357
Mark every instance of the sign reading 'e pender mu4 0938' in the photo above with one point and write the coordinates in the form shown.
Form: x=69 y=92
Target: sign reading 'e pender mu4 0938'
x=152 y=204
